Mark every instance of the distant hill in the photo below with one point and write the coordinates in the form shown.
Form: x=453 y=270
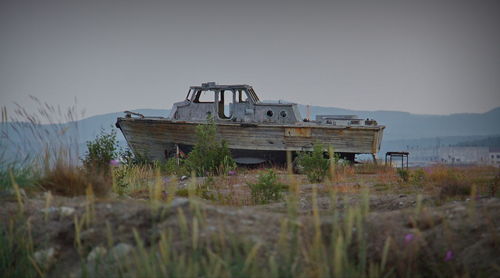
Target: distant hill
x=89 y=127
x=490 y=142
x=403 y=125
x=21 y=140
x=403 y=130
x=399 y=125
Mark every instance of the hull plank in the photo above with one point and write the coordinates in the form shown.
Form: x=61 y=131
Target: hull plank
x=156 y=138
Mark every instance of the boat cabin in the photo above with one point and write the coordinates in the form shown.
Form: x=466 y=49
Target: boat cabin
x=237 y=103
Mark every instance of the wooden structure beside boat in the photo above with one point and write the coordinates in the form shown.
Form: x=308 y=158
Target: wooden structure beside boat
x=253 y=130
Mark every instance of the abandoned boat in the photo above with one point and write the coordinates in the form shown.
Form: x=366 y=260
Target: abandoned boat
x=254 y=131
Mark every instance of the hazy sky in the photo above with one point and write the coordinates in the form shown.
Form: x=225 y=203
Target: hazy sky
x=434 y=57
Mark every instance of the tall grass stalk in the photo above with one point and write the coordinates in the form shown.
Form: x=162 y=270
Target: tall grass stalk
x=155 y=191
x=16 y=249
x=48 y=200
x=418 y=205
x=44 y=136
x=317 y=252
x=333 y=162
x=171 y=188
x=78 y=225
x=20 y=201
x=471 y=206
x=109 y=235
x=89 y=214
x=385 y=253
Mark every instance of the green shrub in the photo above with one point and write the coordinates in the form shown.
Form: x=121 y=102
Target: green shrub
x=455 y=188
x=267 y=188
x=120 y=183
x=417 y=177
x=24 y=176
x=403 y=174
x=171 y=167
x=101 y=151
x=205 y=191
x=452 y=184
x=129 y=158
x=209 y=156
x=314 y=164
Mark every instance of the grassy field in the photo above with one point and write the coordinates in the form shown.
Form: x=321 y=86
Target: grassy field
x=363 y=221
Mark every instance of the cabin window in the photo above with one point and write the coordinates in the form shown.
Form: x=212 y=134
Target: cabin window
x=243 y=96
x=204 y=96
x=190 y=94
x=225 y=100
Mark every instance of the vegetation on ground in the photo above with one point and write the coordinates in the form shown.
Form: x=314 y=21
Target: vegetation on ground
x=315 y=164
x=24 y=176
x=210 y=156
x=101 y=152
x=267 y=188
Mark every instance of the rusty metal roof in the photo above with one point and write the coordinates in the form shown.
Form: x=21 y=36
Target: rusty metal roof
x=213 y=85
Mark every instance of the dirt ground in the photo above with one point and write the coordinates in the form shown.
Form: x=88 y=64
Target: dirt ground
x=470 y=228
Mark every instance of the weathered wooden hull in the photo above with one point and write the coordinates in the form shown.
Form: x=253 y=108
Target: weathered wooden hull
x=156 y=138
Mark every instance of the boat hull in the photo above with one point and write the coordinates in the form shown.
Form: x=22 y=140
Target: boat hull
x=156 y=139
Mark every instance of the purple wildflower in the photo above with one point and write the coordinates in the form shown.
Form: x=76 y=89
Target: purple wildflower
x=409 y=238
x=231 y=173
x=449 y=256
x=114 y=162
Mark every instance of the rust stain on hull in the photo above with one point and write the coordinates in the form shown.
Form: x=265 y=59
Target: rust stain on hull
x=297 y=132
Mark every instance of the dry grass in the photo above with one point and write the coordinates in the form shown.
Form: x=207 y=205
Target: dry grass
x=69 y=180
x=461 y=181
x=372 y=168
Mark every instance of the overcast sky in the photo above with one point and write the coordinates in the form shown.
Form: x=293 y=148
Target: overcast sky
x=426 y=57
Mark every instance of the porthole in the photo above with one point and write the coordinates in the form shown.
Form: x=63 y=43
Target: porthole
x=269 y=113
x=283 y=114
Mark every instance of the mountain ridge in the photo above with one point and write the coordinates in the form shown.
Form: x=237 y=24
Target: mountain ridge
x=403 y=129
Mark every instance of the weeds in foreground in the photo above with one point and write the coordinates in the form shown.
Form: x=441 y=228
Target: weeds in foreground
x=25 y=176
x=16 y=250
x=267 y=188
x=198 y=246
